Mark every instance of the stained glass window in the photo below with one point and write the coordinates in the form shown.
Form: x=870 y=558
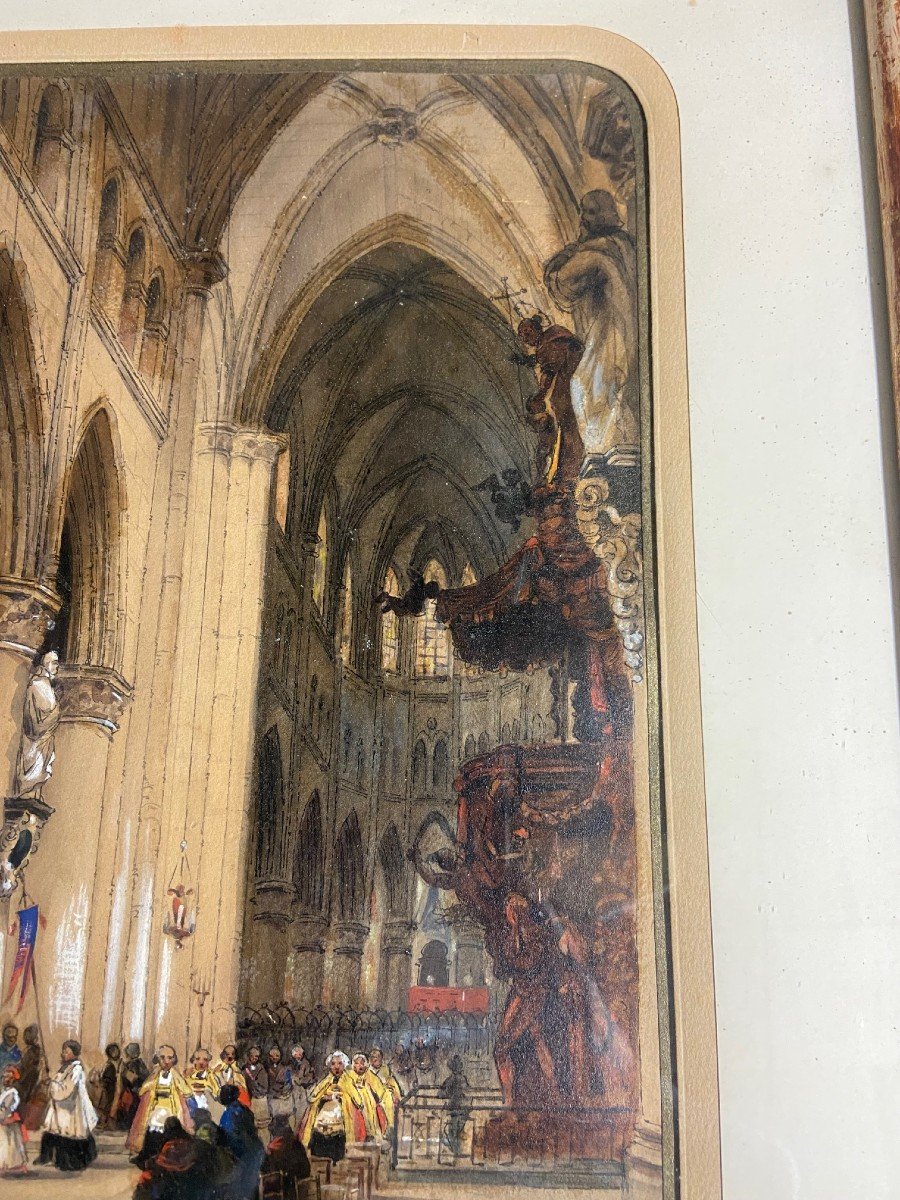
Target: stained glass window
x=432 y=638
x=321 y=563
x=390 y=628
x=347 y=613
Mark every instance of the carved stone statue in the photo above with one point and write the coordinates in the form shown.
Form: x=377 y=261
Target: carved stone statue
x=39 y=721
x=596 y=278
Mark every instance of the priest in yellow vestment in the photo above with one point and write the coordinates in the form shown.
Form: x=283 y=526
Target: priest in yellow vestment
x=369 y=1091
x=336 y=1114
x=164 y=1094
x=383 y=1076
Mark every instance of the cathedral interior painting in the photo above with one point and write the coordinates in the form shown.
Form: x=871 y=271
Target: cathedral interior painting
x=330 y=852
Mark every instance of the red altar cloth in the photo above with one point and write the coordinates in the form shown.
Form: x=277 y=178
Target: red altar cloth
x=448 y=999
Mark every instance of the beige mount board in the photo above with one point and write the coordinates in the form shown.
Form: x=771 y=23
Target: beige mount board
x=164 y=709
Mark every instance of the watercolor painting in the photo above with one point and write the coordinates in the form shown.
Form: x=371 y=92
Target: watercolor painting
x=332 y=860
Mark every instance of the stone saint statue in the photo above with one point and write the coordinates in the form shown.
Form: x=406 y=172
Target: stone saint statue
x=39 y=721
x=596 y=278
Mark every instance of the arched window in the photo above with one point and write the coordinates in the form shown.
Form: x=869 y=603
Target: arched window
x=349 y=872
x=390 y=628
x=320 y=563
x=346 y=642
x=89 y=554
x=516 y=731
x=269 y=804
x=154 y=328
x=308 y=873
x=468 y=579
x=108 y=221
x=505 y=734
x=440 y=767
x=418 y=768
x=107 y=281
x=537 y=729
x=469 y=748
x=9 y=103
x=434 y=970
x=432 y=638
x=49 y=135
x=154 y=301
x=21 y=446
x=484 y=743
x=132 y=311
x=393 y=869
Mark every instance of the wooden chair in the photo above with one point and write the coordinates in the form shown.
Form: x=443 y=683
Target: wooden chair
x=275 y=1186
x=368 y=1160
x=321 y=1168
x=352 y=1173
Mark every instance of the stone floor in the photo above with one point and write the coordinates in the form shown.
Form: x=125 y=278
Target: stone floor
x=112 y=1177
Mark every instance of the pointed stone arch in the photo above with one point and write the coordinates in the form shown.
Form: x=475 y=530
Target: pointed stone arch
x=52 y=141
x=21 y=423
x=89 y=630
x=270 y=806
x=349 y=872
x=255 y=377
x=309 y=874
x=393 y=866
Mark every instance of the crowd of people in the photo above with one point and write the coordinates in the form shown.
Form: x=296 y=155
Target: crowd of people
x=208 y=1132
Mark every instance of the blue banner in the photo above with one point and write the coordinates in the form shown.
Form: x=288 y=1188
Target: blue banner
x=28 y=927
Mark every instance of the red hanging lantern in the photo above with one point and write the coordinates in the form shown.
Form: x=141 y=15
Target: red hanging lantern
x=179 y=921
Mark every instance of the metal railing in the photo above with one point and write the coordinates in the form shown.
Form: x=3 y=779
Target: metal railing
x=320 y=1030
x=481 y=1132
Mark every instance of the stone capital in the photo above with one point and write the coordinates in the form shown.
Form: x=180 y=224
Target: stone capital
x=397 y=937
x=273 y=899
x=27 y=612
x=203 y=270
x=350 y=938
x=112 y=244
x=309 y=544
x=239 y=441
x=308 y=934
x=135 y=290
x=92 y=695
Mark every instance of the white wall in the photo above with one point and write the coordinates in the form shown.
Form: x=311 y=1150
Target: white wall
x=799 y=679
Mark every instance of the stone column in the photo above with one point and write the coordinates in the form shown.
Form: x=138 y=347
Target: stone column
x=210 y=751
x=308 y=941
x=395 y=968
x=26 y=613
x=131 y=960
x=346 y=963
x=470 y=953
x=268 y=949
x=63 y=874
